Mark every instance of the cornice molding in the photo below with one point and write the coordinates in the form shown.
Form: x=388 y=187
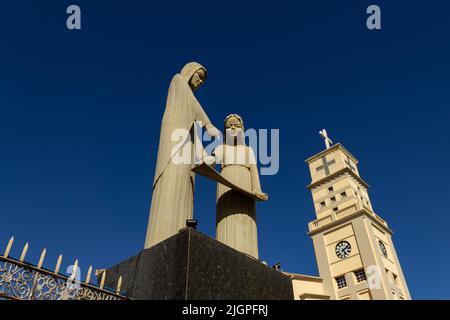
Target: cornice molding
x=362 y=212
x=331 y=149
x=336 y=175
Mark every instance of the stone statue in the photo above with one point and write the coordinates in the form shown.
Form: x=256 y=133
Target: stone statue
x=236 y=211
x=173 y=186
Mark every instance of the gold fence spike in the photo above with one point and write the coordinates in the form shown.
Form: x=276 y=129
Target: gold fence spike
x=102 y=281
x=88 y=276
x=8 y=247
x=98 y=272
x=24 y=252
x=41 y=259
x=74 y=270
x=58 y=264
x=119 y=285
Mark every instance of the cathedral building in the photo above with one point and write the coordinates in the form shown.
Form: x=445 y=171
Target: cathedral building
x=353 y=245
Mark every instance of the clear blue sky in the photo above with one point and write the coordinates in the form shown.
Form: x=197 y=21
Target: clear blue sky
x=80 y=115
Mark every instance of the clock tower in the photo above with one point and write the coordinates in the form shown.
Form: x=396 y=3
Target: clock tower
x=353 y=245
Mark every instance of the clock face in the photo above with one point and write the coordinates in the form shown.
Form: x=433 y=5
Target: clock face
x=343 y=249
x=382 y=248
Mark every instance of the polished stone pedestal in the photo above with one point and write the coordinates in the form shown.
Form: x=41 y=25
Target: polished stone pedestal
x=193 y=266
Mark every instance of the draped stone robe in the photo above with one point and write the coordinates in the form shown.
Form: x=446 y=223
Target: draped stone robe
x=173 y=186
x=235 y=211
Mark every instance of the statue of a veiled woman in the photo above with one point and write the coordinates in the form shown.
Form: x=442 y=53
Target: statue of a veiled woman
x=173 y=186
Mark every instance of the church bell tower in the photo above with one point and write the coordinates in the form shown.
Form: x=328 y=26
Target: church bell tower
x=353 y=245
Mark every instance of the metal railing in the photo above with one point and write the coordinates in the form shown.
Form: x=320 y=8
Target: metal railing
x=20 y=280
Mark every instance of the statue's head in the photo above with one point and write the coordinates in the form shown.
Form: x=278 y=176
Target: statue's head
x=195 y=75
x=234 y=129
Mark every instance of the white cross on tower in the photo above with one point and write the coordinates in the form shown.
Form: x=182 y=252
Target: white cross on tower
x=323 y=134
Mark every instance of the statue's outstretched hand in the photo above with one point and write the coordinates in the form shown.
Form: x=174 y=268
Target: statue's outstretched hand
x=212 y=131
x=261 y=194
x=210 y=160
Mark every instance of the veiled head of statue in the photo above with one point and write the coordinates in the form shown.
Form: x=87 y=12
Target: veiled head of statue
x=194 y=74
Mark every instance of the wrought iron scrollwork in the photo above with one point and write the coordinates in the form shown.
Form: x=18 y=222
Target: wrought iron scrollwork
x=25 y=282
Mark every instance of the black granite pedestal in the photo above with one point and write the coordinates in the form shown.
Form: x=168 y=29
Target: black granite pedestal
x=193 y=266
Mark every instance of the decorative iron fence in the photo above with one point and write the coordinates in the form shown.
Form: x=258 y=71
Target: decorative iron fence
x=20 y=280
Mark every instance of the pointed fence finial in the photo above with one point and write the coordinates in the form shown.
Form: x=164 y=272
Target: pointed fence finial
x=24 y=253
x=102 y=281
x=58 y=264
x=8 y=247
x=119 y=285
x=74 y=270
x=41 y=259
x=88 y=276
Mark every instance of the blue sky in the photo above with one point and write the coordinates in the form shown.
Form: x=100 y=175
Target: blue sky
x=80 y=115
